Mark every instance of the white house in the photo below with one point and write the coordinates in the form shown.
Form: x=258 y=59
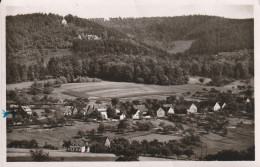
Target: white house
x=170 y=111
x=104 y=114
x=216 y=107
x=122 y=117
x=137 y=115
x=160 y=113
x=79 y=145
x=247 y=100
x=117 y=111
x=107 y=142
x=64 y=22
x=27 y=109
x=192 y=109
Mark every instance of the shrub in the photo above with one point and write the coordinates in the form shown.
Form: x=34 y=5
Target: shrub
x=49 y=146
x=23 y=144
x=39 y=155
x=63 y=79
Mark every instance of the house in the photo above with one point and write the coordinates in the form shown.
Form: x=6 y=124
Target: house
x=122 y=116
x=117 y=111
x=67 y=111
x=216 y=107
x=104 y=115
x=137 y=115
x=107 y=142
x=192 y=109
x=27 y=109
x=160 y=113
x=248 y=100
x=64 y=22
x=79 y=145
x=170 y=111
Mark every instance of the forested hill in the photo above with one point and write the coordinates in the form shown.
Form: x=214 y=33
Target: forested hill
x=211 y=34
x=44 y=45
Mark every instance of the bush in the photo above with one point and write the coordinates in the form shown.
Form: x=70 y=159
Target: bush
x=39 y=155
x=63 y=79
x=48 y=90
x=191 y=140
x=23 y=144
x=50 y=147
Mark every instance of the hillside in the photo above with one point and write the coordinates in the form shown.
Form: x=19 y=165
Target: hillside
x=141 y=50
x=211 y=34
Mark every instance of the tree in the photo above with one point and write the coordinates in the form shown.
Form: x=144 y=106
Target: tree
x=123 y=126
x=95 y=115
x=121 y=148
x=165 y=151
x=114 y=101
x=111 y=112
x=39 y=155
x=189 y=152
x=81 y=133
x=101 y=128
x=66 y=144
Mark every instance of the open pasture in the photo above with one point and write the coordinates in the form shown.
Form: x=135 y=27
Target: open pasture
x=126 y=90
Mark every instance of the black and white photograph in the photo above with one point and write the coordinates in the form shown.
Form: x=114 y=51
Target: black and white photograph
x=134 y=80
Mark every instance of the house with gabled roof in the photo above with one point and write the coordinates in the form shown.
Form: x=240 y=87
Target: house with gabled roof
x=248 y=100
x=216 y=107
x=192 y=109
x=170 y=111
x=137 y=115
x=79 y=145
x=27 y=109
x=160 y=113
x=64 y=22
x=122 y=116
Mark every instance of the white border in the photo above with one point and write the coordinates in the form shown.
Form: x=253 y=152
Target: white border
x=256 y=163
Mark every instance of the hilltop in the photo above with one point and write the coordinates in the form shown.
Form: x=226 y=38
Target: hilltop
x=159 y=50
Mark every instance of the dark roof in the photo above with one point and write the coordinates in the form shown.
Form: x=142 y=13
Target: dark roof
x=140 y=107
x=79 y=142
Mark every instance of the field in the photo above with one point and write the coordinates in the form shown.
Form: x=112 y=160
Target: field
x=126 y=90
x=180 y=46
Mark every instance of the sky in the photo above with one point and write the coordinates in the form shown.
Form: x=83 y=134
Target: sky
x=132 y=8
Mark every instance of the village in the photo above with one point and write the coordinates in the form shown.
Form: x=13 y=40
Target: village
x=94 y=126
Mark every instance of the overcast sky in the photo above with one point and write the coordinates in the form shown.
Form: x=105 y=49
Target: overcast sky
x=132 y=8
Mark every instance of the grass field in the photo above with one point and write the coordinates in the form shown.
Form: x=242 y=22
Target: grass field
x=126 y=90
x=180 y=46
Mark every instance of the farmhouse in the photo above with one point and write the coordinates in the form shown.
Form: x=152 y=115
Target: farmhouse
x=160 y=113
x=192 y=109
x=64 y=22
x=67 y=111
x=104 y=115
x=27 y=109
x=216 y=107
x=122 y=116
x=117 y=111
x=170 y=111
x=137 y=115
x=107 y=142
x=80 y=145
